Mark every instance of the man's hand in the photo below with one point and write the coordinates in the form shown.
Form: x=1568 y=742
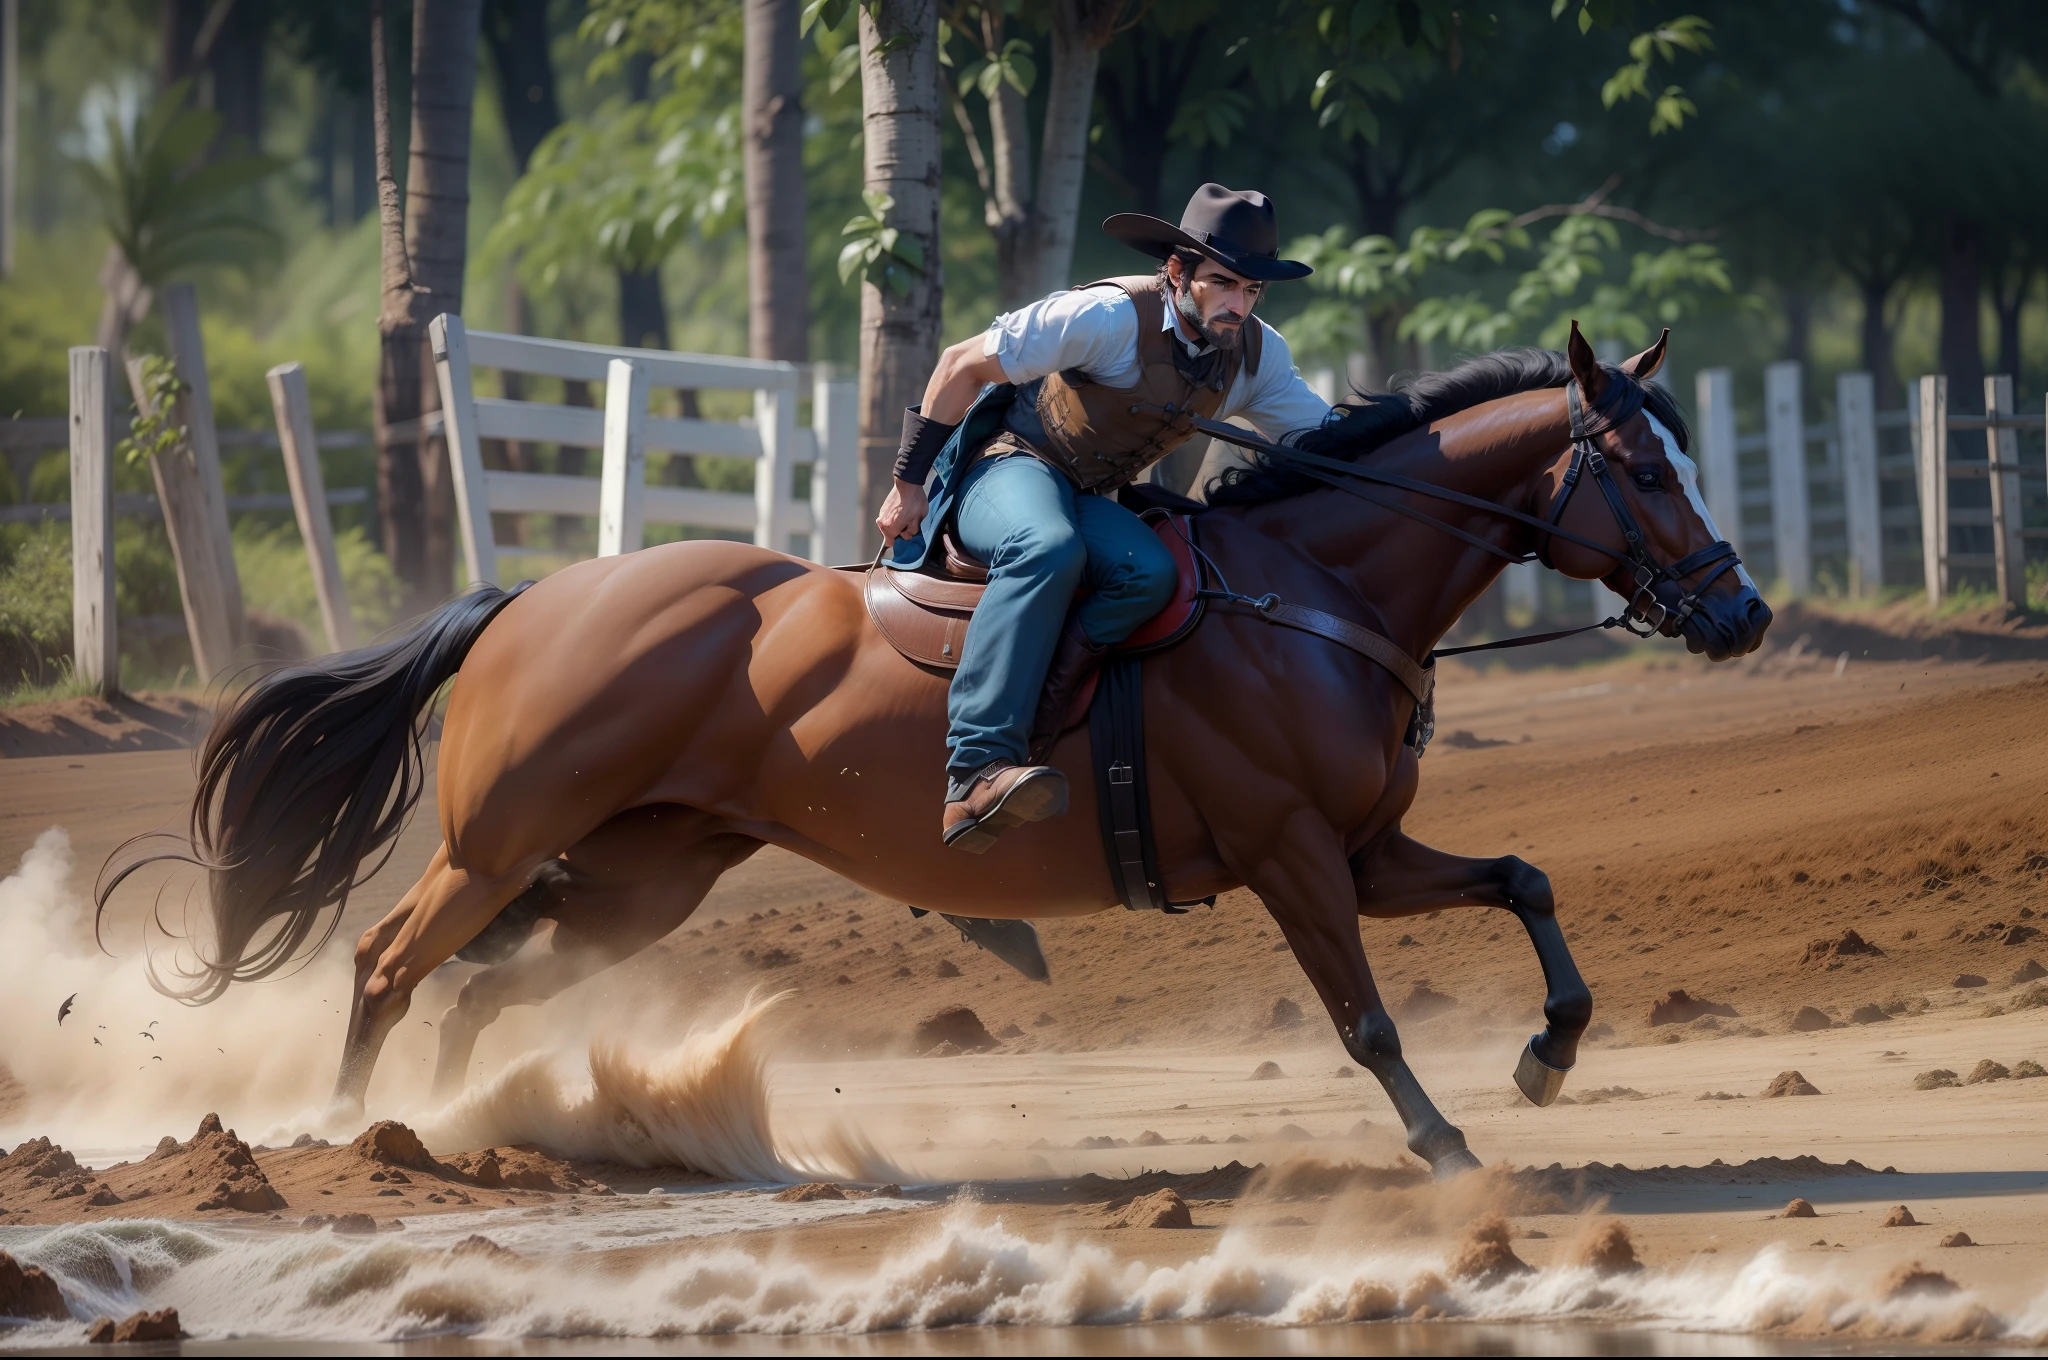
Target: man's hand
x=903 y=511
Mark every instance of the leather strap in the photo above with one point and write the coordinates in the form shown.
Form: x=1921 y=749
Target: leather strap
x=1419 y=681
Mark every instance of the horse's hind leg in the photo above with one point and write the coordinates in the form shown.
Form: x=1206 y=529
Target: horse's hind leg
x=437 y=916
x=1397 y=876
x=613 y=894
x=1305 y=884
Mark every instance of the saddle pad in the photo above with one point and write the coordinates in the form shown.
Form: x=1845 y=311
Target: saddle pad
x=925 y=615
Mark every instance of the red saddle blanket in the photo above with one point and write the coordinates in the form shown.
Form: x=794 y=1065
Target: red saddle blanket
x=924 y=614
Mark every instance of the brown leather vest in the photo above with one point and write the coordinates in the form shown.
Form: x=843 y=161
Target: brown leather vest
x=1091 y=432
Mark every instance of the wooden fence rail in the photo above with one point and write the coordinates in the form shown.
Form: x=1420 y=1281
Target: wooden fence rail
x=828 y=519
x=1870 y=489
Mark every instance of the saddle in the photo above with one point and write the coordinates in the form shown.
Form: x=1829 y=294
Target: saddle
x=925 y=613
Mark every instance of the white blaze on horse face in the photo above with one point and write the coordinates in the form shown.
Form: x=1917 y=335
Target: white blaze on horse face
x=1689 y=478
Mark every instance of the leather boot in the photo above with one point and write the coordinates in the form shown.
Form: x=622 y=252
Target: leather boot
x=1002 y=795
x=1074 y=659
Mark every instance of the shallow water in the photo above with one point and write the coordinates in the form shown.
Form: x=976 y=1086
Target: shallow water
x=584 y=1281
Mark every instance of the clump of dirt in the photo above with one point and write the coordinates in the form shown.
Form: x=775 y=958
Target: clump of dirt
x=1679 y=1008
x=394 y=1144
x=1966 y=980
x=519 y=1168
x=29 y=1292
x=215 y=1154
x=2027 y=1067
x=1267 y=1071
x=810 y=1193
x=1901 y=1217
x=1286 y=1015
x=1810 y=1018
x=1830 y=953
x=1799 y=1208
x=1915 y=1280
x=1485 y=1256
x=162 y=1325
x=1149 y=1138
x=955 y=1025
x=476 y=1244
x=1423 y=1002
x=1789 y=1083
x=1934 y=1078
x=1160 y=1209
x=347 y=1224
x=1957 y=1239
x=1604 y=1245
x=2028 y=971
x=1987 y=1070
x=1868 y=1013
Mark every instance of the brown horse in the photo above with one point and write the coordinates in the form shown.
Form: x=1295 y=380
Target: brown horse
x=625 y=731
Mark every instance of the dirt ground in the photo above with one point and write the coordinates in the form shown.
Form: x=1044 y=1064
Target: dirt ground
x=1714 y=829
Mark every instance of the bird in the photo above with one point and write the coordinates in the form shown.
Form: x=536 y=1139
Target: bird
x=147 y=1035
x=65 y=1009
x=96 y=1042
x=155 y=1057
x=153 y=1024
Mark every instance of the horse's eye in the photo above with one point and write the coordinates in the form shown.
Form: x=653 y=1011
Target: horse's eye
x=1649 y=478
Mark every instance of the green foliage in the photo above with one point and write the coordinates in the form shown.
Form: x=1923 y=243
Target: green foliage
x=153 y=434
x=277 y=580
x=1669 y=107
x=1662 y=286
x=167 y=210
x=1013 y=66
x=35 y=605
x=878 y=252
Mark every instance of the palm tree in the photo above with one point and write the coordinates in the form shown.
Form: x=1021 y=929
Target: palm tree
x=167 y=210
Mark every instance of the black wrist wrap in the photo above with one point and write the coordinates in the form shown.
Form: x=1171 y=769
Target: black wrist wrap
x=922 y=441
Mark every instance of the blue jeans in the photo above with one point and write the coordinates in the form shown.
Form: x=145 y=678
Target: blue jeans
x=1042 y=541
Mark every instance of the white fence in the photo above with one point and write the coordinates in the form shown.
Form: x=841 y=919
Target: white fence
x=1869 y=496
x=823 y=526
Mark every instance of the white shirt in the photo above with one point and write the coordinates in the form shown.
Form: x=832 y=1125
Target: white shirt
x=1096 y=331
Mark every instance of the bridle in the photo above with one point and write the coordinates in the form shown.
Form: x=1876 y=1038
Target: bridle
x=1658 y=587
x=1660 y=597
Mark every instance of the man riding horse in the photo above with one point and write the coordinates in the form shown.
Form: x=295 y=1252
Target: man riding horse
x=1069 y=391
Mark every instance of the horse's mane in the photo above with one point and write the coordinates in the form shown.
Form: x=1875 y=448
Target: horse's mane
x=1358 y=427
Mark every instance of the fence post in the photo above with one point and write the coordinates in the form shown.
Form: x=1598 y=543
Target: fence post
x=292 y=405
x=450 y=342
x=1714 y=395
x=775 y=419
x=193 y=482
x=835 y=477
x=2008 y=541
x=95 y=655
x=621 y=492
x=1522 y=583
x=1856 y=413
x=1785 y=433
x=1931 y=454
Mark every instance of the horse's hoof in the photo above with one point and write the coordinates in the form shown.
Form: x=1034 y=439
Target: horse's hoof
x=1539 y=1081
x=1453 y=1164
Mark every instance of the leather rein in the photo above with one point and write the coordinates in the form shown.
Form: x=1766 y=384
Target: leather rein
x=1660 y=597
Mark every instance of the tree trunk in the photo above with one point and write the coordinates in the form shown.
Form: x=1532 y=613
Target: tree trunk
x=899 y=332
x=236 y=63
x=1962 y=292
x=516 y=32
x=772 y=93
x=2008 y=301
x=444 y=40
x=1877 y=340
x=401 y=328
x=643 y=313
x=1080 y=30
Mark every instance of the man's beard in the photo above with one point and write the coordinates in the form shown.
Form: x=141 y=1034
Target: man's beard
x=1222 y=337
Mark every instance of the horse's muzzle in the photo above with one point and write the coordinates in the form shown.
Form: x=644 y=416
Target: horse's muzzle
x=1727 y=625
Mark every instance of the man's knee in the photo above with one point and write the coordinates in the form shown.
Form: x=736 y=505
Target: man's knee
x=1053 y=550
x=1143 y=574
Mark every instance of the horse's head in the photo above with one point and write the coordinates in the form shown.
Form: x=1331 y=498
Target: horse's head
x=1631 y=485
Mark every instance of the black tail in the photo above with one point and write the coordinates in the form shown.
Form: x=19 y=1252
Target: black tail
x=309 y=772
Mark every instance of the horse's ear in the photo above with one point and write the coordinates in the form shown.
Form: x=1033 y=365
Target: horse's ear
x=1645 y=365
x=1586 y=368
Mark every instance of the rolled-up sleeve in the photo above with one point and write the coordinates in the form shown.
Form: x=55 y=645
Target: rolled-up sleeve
x=1276 y=400
x=1094 y=330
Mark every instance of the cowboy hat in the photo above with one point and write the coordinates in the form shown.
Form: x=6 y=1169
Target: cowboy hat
x=1235 y=228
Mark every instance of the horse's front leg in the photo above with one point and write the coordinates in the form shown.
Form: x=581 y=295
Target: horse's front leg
x=1397 y=876
x=1306 y=885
